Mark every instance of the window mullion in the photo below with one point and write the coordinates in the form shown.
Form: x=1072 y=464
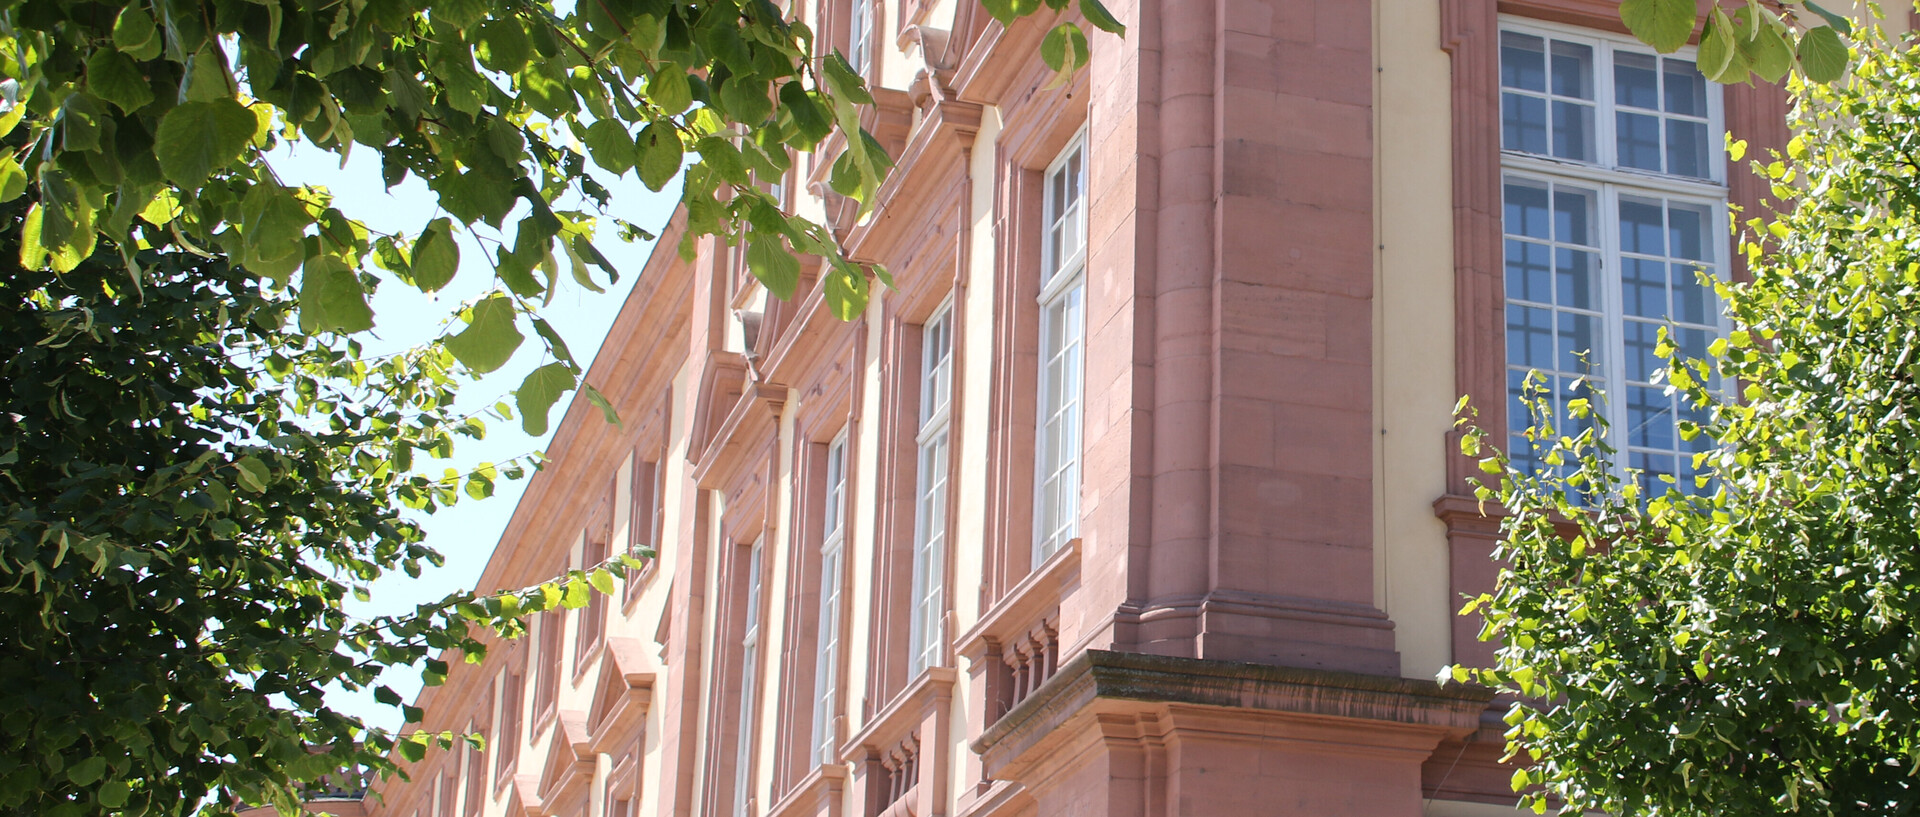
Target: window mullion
x=1608 y=154
x=1613 y=327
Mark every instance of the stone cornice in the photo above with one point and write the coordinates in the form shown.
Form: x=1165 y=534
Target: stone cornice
x=1094 y=674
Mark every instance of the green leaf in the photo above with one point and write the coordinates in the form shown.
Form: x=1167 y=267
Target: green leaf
x=252 y=474
x=670 y=90
x=1065 y=51
x=538 y=393
x=1770 y=55
x=576 y=595
x=197 y=139
x=33 y=251
x=723 y=158
x=845 y=292
x=436 y=256
x=502 y=45
x=601 y=402
x=1718 y=46
x=845 y=85
x=331 y=299
x=114 y=77
x=556 y=344
x=410 y=751
x=601 y=581
x=461 y=14
x=1102 y=19
x=135 y=33
x=208 y=77
x=479 y=487
x=273 y=222
x=113 y=793
x=1823 y=56
x=773 y=265
x=491 y=336
x=1839 y=22
x=1664 y=24
x=810 y=118
x=660 y=154
x=13 y=179
x=87 y=771
x=611 y=146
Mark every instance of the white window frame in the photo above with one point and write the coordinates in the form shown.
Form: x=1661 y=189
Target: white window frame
x=1606 y=166
x=749 y=688
x=826 y=677
x=860 y=36
x=1610 y=182
x=927 y=619
x=1062 y=291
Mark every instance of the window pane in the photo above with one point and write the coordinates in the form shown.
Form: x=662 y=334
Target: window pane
x=1652 y=467
x=1643 y=288
x=1686 y=88
x=1573 y=131
x=1522 y=62
x=1578 y=350
x=1649 y=418
x=1572 y=70
x=1530 y=337
x=1692 y=303
x=1517 y=416
x=1687 y=148
x=1687 y=226
x=1642 y=339
x=1526 y=207
x=1523 y=123
x=1635 y=81
x=1573 y=217
x=1577 y=279
x=1529 y=276
x=1638 y=137
x=1641 y=227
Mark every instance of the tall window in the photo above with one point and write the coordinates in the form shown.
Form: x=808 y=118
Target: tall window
x=860 y=35
x=826 y=674
x=1613 y=205
x=645 y=511
x=546 y=677
x=508 y=738
x=593 y=617
x=476 y=777
x=749 y=687
x=927 y=622
x=1062 y=332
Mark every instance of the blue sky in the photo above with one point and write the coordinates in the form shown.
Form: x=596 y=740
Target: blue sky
x=466 y=533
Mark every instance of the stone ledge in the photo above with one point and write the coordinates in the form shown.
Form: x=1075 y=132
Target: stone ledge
x=1454 y=709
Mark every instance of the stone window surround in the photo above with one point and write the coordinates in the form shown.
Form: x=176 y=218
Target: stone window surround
x=624 y=779
x=647 y=483
x=513 y=703
x=744 y=523
x=1039 y=130
x=826 y=411
x=477 y=760
x=930 y=425
x=596 y=545
x=1470 y=31
x=923 y=291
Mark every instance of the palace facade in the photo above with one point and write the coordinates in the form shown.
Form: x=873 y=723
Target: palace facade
x=1140 y=493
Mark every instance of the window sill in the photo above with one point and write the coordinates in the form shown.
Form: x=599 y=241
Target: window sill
x=1039 y=592
x=817 y=793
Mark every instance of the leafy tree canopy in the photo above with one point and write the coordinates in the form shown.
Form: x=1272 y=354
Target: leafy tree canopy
x=1745 y=642
x=201 y=462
